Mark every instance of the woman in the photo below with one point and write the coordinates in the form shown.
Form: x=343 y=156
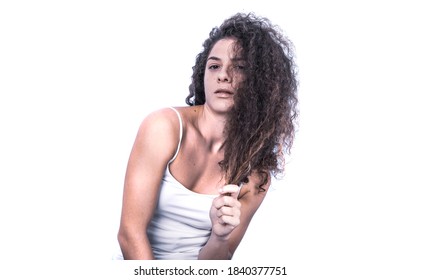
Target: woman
x=197 y=174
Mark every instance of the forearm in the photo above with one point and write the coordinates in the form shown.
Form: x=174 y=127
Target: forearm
x=216 y=248
x=135 y=247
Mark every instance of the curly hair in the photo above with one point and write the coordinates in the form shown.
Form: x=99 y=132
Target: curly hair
x=260 y=128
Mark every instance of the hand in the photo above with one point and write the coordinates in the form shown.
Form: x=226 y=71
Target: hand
x=225 y=211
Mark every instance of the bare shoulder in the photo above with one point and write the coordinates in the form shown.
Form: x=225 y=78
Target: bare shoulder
x=162 y=122
x=189 y=113
x=159 y=132
x=168 y=116
x=162 y=117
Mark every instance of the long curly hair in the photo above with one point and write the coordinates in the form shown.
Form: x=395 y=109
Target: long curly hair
x=260 y=127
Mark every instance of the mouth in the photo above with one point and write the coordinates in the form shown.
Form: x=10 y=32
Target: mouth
x=224 y=91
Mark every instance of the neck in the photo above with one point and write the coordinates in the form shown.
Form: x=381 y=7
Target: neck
x=211 y=126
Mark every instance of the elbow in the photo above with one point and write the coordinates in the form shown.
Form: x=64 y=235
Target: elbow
x=134 y=244
x=123 y=240
x=127 y=240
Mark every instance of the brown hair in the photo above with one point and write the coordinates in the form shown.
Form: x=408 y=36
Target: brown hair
x=260 y=127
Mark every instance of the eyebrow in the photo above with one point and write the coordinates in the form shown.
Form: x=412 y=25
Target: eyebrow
x=218 y=59
x=213 y=58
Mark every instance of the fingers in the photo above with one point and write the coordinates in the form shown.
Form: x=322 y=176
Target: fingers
x=232 y=219
x=224 y=200
x=227 y=209
x=229 y=215
x=229 y=220
x=230 y=190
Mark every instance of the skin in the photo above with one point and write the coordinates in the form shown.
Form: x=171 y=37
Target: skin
x=196 y=165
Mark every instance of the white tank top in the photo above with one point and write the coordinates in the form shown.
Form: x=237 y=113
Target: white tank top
x=181 y=225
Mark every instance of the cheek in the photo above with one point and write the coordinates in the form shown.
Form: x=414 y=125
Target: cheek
x=238 y=79
x=207 y=80
x=206 y=84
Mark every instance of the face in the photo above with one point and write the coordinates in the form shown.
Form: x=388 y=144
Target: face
x=223 y=73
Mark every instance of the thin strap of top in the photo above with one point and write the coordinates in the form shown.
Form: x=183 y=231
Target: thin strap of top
x=179 y=142
x=181 y=134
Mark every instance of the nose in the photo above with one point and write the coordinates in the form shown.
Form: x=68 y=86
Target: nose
x=224 y=75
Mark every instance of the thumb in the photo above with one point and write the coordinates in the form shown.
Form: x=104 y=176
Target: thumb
x=231 y=190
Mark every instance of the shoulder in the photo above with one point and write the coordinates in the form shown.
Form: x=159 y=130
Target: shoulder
x=159 y=132
x=162 y=122
x=163 y=116
x=169 y=117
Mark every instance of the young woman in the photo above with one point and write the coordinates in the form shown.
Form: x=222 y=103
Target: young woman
x=197 y=174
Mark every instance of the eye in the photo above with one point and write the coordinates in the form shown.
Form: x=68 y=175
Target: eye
x=213 y=66
x=239 y=67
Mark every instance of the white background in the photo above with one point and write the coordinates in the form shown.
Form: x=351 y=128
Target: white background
x=77 y=77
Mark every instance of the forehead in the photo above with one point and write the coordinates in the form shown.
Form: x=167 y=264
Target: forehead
x=226 y=47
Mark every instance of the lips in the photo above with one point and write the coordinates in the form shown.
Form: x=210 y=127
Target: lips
x=224 y=91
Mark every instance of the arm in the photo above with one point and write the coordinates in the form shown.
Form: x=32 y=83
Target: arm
x=230 y=220
x=154 y=146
